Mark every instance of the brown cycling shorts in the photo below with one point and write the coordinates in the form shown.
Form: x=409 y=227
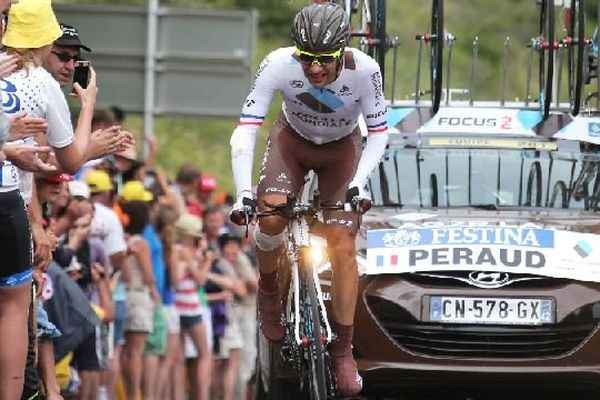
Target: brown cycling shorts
x=289 y=157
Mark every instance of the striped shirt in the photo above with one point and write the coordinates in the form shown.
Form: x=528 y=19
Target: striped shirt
x=187 y=300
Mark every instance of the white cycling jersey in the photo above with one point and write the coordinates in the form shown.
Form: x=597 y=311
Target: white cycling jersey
x=318 y=115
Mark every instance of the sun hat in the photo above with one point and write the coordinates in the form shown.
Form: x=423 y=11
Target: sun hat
x=189 y=225
x=135 y=191
x=98 y=181
x=31 y=25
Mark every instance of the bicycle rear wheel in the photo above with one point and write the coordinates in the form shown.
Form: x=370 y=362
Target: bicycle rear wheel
x=546 y=61
x=575 y=53
x=436 y=55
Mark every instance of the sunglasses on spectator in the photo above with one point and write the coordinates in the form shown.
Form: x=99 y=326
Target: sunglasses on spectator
x=65 y=57
x=311 y=58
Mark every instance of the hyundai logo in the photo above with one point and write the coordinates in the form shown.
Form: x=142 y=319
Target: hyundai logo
x=489 y=280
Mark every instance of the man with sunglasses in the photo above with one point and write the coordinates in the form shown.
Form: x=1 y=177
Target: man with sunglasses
x=65 y=51
x=326 y=87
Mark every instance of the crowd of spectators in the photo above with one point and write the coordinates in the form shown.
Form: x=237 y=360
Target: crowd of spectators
x=141 y=289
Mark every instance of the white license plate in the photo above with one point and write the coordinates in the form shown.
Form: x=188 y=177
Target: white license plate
x=491 y=310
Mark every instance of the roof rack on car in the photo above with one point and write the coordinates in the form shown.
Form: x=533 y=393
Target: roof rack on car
x=578 y=52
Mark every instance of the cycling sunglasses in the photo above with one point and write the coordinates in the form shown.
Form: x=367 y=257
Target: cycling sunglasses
x=320 y=59
x=66 y=57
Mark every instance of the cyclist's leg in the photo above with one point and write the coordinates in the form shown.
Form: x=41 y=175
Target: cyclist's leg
x=281 y=172
x=334 y=177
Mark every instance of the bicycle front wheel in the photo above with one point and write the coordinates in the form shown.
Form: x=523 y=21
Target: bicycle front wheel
x=316 y=359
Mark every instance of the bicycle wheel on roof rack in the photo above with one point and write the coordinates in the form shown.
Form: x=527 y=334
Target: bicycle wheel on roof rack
x=575 y=53
x=546 y=55
x=436 y=52
x=378 y=42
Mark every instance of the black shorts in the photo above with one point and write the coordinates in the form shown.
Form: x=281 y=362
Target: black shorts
x=15 y=240
x=289 y=157
x=88 y=355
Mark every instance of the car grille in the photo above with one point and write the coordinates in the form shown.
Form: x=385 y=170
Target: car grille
x=483 y=341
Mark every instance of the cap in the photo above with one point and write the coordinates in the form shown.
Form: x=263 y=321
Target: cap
x=70 y=37
x=31 y=25
x=135 y=191
x=189 y=224
x=79 y=189
x=129 y=153
x=60 y=178
x=207 y=183
x=98 y=181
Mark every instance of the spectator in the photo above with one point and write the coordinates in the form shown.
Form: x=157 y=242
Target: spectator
x=225 y=288
x=127 y=166
x=60 y=63
x=192 y=266
x=142 y=295
x=84 y=256
x=187 y=181
x=156 y=343
x=48 y=190
x=205 y=190
x=214 y=226
x=107 y=226
x=15 y=277
x=170 y=379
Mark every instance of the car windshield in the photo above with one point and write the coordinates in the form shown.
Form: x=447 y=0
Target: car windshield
x=546 y=176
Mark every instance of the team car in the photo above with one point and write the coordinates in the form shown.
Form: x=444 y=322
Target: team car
x=480 y=260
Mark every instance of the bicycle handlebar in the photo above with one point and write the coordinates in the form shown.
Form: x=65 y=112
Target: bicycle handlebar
x=292 y=208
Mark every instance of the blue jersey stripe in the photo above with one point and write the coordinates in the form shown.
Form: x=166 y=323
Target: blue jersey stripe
x=252 y=116
x=378 y=125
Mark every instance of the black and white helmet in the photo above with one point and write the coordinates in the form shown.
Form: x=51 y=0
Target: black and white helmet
x=321 y=28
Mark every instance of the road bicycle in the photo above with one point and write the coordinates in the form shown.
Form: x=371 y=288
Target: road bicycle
x=547 y=45
x=304 y=351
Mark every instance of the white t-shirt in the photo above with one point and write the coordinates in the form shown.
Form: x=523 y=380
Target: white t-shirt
x=33 y=90
x=108 y=228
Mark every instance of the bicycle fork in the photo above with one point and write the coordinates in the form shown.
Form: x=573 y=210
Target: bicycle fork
x=305 y=265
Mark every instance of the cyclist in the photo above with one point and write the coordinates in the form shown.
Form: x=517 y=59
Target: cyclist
x=326 y=86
